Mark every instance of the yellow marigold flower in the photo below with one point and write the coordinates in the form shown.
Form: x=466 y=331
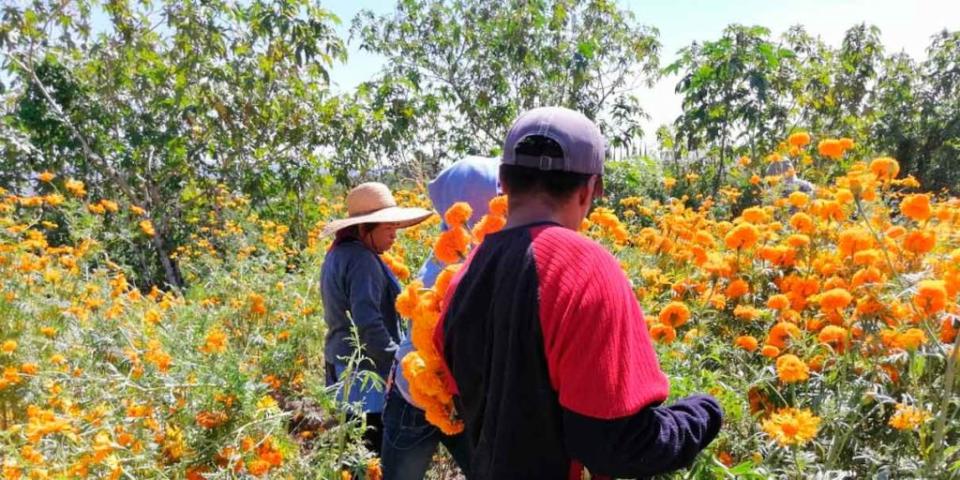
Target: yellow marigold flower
x=790 y=369
x=9 y=346
x=675 y=314
x=908 y=417
x=790 y=426
x=96 y=209
x=798 y=199
x=798 y=240
x=216 y=341
x=911 y=339
x=75 y=187
x=669 y=182
x=885 y=168
x=746 y=342
x=931 y=296
x=742 y=236
x=46 y=176
x=799 y=139
x=663 y=333
x=137 y=210
x=916 y=206
x=830 y=148
x=147 y=227
x=744 y=161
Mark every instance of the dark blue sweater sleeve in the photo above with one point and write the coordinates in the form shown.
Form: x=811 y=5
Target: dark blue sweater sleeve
x=366 y=283
x=655 y=440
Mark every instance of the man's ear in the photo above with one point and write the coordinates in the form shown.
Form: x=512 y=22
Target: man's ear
x=504 y=190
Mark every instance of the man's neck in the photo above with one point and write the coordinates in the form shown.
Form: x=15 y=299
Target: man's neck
x=530 y=211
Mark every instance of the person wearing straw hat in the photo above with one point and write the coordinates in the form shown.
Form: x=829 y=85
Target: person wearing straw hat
x=359 y=291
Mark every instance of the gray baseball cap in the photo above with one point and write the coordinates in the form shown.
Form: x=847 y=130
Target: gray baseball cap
x=580 y=139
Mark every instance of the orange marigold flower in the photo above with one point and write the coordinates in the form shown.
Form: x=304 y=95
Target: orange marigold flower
x=790 y=369
x=802 y=222
x=755 y=215
x=9 y=346
x=885 y=168
x=916 y=206
x=663 y=333
x=835 y=299
x=46 y=176
x=498 y=205
x=210 y=420
x=458 y=214
x=799 y=139
x=215 y=342
x=798 y=240
x=737 y=288
x=487 y=225
x=846 y=143
x=778 y=302
x=452 y=245
x=746 y=342
x=755 y=180
x=830 y=148
x=746 y=312
x=780 y=333
x=675 y=314
x=948 y=333
x=743 y=236
x=834 y=336
x=866 y=276
x=409 y=299
x=931 y=296
x=852 y=240
x=920 y=241
x=258 y=467
x=770 y=351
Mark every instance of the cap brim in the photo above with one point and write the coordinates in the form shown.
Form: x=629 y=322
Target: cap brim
x=403 y=216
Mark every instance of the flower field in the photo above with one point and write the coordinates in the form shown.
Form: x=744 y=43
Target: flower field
x=825 y=323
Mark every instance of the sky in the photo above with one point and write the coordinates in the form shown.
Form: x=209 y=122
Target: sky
x=905 y=26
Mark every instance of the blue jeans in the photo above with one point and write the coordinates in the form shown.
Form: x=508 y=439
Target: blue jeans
x=409 y=441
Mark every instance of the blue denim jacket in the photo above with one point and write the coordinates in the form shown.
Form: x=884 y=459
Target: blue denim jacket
x=359 y=289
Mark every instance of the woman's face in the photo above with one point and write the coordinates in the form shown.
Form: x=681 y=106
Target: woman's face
x=381 y=238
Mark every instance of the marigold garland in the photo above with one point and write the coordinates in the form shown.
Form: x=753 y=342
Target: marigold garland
x=424 y=368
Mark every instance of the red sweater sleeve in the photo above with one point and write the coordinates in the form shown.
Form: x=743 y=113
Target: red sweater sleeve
x=599 y=355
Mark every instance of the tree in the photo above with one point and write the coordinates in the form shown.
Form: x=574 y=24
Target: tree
x=170 y=100
x=477 y=64
x=732 y=89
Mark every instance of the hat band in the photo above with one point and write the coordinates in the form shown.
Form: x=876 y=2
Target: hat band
x=543 y=162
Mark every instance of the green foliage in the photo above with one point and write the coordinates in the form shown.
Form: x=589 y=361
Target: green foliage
x=475 y=65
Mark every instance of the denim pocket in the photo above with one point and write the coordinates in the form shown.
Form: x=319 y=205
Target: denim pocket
x=404 y=425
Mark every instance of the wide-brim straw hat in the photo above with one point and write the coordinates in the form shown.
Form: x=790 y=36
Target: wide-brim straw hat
x=372 y=202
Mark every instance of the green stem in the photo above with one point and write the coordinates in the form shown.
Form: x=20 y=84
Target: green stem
x=941 y=425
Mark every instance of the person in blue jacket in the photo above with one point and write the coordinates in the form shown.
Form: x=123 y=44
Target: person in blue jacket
x=359 y=292
x=409 y=440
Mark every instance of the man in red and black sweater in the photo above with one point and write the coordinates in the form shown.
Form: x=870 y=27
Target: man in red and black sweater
x=544 y=338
